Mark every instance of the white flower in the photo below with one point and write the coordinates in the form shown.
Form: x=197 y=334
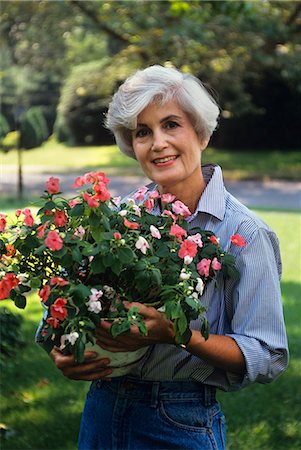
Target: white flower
x=155 y=232
x=187 y=259
x=123 y=212
x=80 y=232
x=72 y=338
x=200 y=286
x=195 y=295
x=184 y=275
x=95 y=295
x=94 y=306
x=142 y=245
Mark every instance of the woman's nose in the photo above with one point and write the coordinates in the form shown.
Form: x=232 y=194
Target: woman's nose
x=159 y=141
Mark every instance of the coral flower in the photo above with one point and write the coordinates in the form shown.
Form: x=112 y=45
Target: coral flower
x=41 y=229
x=53 y=241
x=238 y=240
x=188 y=248
x=53 y=185
x=29 y=221
x=203 y=267
x=59 y=281
x=216 y=265
x=44 y=293
x=178 y=232
x=131 y=225
x=60 y=218
x=102 y=193
x=58 y=310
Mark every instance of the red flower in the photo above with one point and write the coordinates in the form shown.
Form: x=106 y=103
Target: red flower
x=149 y=203
x=3 y=222
x=178 y=232
x=58 y=310
x=29 y=221
x=44 y=293
x=188 y=248
x=117 y=235
x=214 y=240
x=131 y=225
x=53 y=185
x=10 y=250
x=8 y=282
x=238 y=240
x=60 y=218
x=41 y=229
x=54 y=323
x=58 y=281
x=92 y=201
x=53 y=241
x=102 y=193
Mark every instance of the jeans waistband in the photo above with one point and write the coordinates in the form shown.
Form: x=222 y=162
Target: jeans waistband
x=154 y=391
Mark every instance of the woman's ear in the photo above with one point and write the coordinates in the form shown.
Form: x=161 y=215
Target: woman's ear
x=204 y=143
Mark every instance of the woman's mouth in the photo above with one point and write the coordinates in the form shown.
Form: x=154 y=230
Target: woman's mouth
x=166 y=161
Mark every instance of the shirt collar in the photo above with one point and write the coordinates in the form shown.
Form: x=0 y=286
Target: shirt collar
x=212 y=200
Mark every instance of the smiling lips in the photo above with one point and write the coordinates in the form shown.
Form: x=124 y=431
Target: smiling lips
x=166 y=161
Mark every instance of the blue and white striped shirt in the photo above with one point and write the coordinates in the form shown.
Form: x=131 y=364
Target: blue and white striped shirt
x=250 y=311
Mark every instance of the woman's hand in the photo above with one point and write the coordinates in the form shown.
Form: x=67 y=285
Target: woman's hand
x=159 y=328
x=91 y=369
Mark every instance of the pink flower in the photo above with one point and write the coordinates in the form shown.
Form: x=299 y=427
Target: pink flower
x=79 y=232
x=216 y=265
x=203 y=267
x=44 y=293
x=29 y=221
x=170 y=214
x=154 y=194
x=53 y=185
x=60 y=218
x=58 y=310
x=238 y=240
x=178 y=232
x=188 y=248
x=3 y=221
x=78 y=182
x=140 y=193
x=95 y=295
x=59 y=281
x=142 y=245
x=131 y=225
x=167 y=198
x=197 y=238
x=149 y=203
x=155 y=232
x=74 y=202
x=18 y=212
x=92 y=201
x=53 y=241
x=41 y=229
x=117 y=235
x=179 y=208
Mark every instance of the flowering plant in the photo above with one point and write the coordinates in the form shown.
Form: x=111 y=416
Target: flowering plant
x=86 y=256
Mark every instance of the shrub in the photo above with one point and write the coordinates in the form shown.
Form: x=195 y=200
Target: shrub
x=33 y=128
x=11 y=334
x=85 y=97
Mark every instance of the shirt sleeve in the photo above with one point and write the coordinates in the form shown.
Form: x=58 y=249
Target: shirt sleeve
x=257 y=323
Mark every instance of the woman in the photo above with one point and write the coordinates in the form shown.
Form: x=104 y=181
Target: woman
x=164 y=119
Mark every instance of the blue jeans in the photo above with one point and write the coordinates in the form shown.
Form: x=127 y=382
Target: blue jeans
x=128 y=414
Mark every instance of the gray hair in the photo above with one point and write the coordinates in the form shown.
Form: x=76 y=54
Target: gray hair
x=158 y=83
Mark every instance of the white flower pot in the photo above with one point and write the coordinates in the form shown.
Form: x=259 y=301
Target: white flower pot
x=121 y=362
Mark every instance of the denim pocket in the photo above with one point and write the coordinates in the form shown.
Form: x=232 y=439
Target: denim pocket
x=188 y=414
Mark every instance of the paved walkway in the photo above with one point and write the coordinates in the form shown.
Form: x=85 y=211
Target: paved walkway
x=268 y=194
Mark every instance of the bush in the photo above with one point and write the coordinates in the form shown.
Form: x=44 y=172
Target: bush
x=85 y=97
x=11 y=335
x=4 y=126
x=33 y=128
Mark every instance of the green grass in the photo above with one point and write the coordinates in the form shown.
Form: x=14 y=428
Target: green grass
x=236 y=165
x=41 y=409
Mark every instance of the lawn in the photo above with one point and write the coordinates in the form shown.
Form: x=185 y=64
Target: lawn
x=238 y=165
x=41 y=409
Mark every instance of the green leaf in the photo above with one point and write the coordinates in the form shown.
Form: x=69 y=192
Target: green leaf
x=77 y=211
x=122 y=326
x=20 y=301
x=97 y=265
x=80 y=292
x=126 y=255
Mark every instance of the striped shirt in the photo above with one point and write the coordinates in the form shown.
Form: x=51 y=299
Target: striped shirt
x=250 y=311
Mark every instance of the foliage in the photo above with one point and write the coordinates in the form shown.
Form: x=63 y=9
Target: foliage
x=85 y=96
x=11 y=335
x=33 y=128
x=4 y=126
x=260 y=47
x=11 y=141
x=87 y=259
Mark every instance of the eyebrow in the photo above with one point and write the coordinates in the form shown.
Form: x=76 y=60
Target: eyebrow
x=164 y=119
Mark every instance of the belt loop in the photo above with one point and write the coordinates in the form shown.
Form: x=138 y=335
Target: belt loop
x=208 y=395
x=155 y=394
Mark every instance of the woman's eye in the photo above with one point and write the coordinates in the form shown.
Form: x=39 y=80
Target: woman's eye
x=171 y=124
x=142 y=132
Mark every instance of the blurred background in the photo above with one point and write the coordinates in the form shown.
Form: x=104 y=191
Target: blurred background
x=60 y=63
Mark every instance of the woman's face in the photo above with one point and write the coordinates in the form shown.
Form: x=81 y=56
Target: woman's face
x=168 y=148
